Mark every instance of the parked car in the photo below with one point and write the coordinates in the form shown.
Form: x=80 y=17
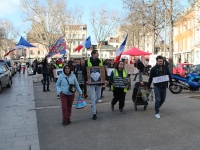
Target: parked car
x=5 y=76
x=182 y=69
x=12 y=68
x=2 y=62
x=194 y=69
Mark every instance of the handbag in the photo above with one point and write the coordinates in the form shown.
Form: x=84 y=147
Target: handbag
x=72 y=88
x=80 y=103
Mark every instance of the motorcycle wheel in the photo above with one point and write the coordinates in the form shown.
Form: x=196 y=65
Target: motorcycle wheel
x=176 y=89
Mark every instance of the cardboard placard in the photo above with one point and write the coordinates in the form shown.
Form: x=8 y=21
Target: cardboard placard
x=96 y=74
x=120 y=82
x=80 y=78
x=57 y=72
x=161 y=79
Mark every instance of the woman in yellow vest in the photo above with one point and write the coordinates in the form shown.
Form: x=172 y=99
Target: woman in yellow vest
x=118 y=75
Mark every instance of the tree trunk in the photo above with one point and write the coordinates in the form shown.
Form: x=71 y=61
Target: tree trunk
x=154 y=26
x=171 y=37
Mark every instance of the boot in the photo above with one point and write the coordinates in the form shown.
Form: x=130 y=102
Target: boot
x=44 y=88
x=48 y=88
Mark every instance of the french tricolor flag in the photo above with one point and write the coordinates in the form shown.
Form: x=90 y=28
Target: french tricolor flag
x=120 y=50
x=84 y=44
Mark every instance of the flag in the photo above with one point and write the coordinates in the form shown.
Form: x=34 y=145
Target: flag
x=120 y=50
x=84 y=44
x=63 y=56
x=58 y=47
x=9 y=52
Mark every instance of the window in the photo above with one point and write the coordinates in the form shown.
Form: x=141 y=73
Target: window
x=73 y=49
x=69 y=35
x=83 y=50
x=147 y=38
x=114 y=40
x=111 y=53
x=74 y=35
x=38 y=52
x=38 y=45
x=147 y=44
x=116 y=46
x=74 y=42
x=31 y=52
x=78 y=35
x=81 y=27
x=105 y=55
x=78 y=42
x=101 y=55
x=83 y=36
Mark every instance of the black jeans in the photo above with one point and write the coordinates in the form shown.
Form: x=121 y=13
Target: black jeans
x=119 y=95
x=84 y=89
x=45 y=81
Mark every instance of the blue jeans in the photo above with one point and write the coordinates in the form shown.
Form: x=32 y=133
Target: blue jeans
x=140 y=76
x=95 y=91
x=160 y=95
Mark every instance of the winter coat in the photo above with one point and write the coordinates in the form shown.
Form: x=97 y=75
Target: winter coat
x=63 y=86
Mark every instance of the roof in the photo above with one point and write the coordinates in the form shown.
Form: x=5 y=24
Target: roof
x=108 y=47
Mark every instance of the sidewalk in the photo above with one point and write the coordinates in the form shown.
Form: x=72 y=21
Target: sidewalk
x=18 y=122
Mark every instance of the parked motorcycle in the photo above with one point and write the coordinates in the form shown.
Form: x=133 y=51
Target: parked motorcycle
x=190 y=82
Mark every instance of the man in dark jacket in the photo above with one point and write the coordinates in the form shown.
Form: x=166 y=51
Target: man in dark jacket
x=45 y=73
x=160 y=75
x=95 y=88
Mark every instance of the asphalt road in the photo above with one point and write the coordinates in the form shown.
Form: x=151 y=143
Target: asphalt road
x=178 y=128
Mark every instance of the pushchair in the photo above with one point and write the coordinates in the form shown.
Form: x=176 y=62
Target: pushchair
x=141 y=95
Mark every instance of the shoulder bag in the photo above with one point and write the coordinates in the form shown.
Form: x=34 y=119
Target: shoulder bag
x=72 y=88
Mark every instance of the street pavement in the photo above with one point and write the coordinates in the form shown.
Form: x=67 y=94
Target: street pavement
x=18 y=123
x=178 y=128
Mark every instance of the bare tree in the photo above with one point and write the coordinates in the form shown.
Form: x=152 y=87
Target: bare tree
x=7 y=36
x=49 y=20
x=103 y=23
x=147 y=16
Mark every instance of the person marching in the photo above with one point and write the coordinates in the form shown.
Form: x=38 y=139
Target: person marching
x=81 y=76
x=118 y=93
x=67 y=97
x=45 y=73
x=58 y=65
x=160 y=87
x=95 y=89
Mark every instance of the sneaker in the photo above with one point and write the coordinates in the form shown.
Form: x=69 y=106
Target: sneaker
x=69 y=122
x=44 y=90
x=121 y=111
x=112 y=107
x=85 y=96
x=157 y=116
x=94 y=117
x=100 y=101
x=58 y=96
x=64 y=123
x=49 y=90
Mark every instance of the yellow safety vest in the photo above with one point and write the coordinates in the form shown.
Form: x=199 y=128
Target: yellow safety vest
x=56 y=66
x=117 y=75
x=60 y=65
x=90 y=64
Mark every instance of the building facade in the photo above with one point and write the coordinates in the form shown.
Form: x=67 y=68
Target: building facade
x=184 y=37
x=75 y=35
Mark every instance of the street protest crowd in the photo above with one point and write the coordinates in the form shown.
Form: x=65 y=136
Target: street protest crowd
x=96 y=74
